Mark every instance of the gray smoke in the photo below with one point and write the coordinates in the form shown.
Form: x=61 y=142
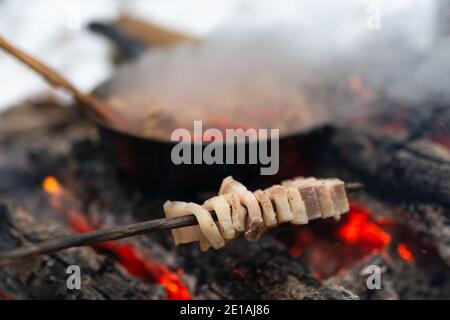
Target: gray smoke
x=328 y=64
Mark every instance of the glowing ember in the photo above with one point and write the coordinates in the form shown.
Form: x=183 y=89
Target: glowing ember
x=295 y=251
x=405 y=252
x=238 y=272
x=5 y=296
x=359 y=229
x=126 y=255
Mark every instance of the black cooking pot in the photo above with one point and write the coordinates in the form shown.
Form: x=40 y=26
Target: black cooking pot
x=149 y=159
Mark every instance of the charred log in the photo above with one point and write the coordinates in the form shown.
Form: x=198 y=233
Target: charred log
x=265 y=271
x=395 y=281
x=414 y=176
x=417 y=170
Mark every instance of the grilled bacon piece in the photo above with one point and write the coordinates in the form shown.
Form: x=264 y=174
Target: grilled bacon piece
x=238 y=212
x=339 y=196
x=297 y=201
x=269 y=215
x=306 y=187
x=255 y=223
x=207 y=225
x=323 y=192
x=183 y=235
x=206 y=232
x=298 y=207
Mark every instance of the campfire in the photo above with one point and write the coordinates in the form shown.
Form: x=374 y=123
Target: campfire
x=86 y=193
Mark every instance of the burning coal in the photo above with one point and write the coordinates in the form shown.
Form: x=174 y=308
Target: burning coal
x=405 y=252
x=332 y=247
x=360 y=229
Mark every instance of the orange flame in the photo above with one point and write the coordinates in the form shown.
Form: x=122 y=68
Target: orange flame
x=405 y=252
x=5 y=296
x=126 y=255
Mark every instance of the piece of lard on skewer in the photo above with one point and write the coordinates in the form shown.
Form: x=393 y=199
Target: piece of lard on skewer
x=206 y=232
x=296 y=201
x=254 y=223
x=269 y=215
x=279 y=196
x=339 y=196
x=306 y=187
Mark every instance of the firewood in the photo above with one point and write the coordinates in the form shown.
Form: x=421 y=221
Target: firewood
x=409 y=171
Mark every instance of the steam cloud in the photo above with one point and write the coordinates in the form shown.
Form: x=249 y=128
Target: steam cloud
x=303 y=65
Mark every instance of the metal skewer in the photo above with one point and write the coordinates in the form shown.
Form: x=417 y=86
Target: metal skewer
x=119 y=232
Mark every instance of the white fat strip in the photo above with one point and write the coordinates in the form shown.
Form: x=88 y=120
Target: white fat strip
x=297 y=206
x=182 y=235
x=306 y=187
x=326 y=202
x=279 y=196
x=207 y=225
x=269 y=215
x=238 y=212
x=339 y=196
x=223 y=211
x=255 y=223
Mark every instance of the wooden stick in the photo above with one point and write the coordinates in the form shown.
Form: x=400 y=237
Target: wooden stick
x=120 y=232
x=55 y=79
x=89 y=238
